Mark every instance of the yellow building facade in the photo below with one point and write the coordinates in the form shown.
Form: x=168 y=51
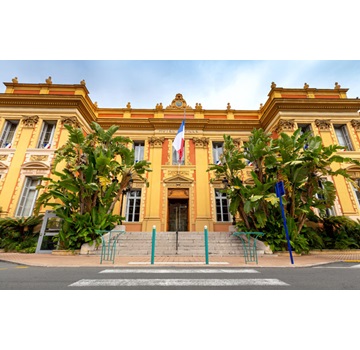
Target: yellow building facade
x=179 y=197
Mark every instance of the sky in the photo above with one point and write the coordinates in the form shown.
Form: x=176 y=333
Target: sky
x=145 y=53
x=213 y=83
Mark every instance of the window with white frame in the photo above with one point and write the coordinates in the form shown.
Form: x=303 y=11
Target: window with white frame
x=133 y=206
x=175 y=157
x=28 y=197
x=222 y=206
x=343 y=137
x=47 y=134
x=8 y=133
x=139 y=150
x=217 y=152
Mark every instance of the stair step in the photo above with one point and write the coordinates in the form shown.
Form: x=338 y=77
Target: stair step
x=189 y=244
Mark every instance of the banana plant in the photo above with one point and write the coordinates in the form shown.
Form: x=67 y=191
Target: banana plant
x=95 y=168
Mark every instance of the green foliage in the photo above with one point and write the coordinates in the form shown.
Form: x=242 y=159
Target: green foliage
x=340 y=232
x=20 y=234
x=96 y=169
x=299 y=160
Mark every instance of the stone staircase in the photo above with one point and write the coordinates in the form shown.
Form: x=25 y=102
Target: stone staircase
x=189 y=244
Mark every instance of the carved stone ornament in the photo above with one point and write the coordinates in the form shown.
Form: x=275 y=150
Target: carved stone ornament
x=178 y=193
x=285 y=125
x=70 y=121
x=198 y=107
x=356 y=124
x=15 y=80
x=38 y=158
x=323 y=124
x=159 y=107
x=337 y=86
x=228 y=107
x=178 y=103
x=30 y=121
x=156 y=141
x=48 y=81
x=237 y=142
x=3 y=156
x=201 y=142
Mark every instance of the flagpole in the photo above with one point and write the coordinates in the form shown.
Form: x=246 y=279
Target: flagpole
x=179 y=142
x=179 y=162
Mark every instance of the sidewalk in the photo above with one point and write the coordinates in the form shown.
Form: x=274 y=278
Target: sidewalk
x=275 y=260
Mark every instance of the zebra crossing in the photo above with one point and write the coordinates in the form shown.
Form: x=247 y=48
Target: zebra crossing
x=142 y=277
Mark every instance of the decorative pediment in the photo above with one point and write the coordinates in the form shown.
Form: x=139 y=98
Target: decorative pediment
x=354 y=172
x=35 y=166
x=178 y=103
x=178 y=179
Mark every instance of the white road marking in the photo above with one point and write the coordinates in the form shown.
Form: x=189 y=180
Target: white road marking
x=177 y=263
x=337 y=267
x=177 y=282
x=147 y=270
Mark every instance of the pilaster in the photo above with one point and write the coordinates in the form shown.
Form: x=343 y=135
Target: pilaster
x=153 y=202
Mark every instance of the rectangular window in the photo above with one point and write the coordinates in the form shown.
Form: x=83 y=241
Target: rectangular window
x=217 y=151
x=357 y=191
x=175 y=157
x=47 y=134
x=343 y=137
x=7 y=136
x=139 y=150
x=305 y=128
x=28 y=197
x=222 y=206
x=133 y=206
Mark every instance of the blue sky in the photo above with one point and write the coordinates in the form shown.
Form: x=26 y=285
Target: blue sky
x=213 y=83
x=144 y=52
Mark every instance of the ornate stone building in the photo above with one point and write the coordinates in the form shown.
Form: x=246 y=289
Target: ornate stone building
x=32 y=118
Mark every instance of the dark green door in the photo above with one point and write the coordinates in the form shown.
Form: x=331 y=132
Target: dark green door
x=178 y=215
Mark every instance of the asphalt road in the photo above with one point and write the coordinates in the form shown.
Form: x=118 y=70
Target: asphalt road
x=335 y=276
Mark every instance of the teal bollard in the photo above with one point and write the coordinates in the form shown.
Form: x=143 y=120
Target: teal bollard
x=206 y=245
x=153 y=244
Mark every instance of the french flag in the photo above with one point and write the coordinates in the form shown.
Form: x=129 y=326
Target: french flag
x=179 y=141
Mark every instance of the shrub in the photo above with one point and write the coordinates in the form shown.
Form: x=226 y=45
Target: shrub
x=340 y=232
x=20 y=234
